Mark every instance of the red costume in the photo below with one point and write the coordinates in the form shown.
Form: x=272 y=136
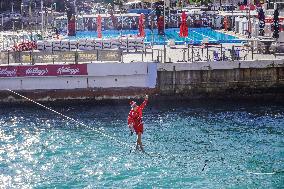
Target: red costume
x=135 y=117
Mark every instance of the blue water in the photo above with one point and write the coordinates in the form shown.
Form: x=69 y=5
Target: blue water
x=195 y=35
x=242 y=145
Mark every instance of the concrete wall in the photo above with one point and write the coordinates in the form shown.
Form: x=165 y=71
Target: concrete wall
x=221 y=65
x=122 y=81
x=220 y=79
x=100 y=75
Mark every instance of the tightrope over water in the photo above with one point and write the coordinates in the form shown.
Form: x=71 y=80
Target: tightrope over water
x=203 y=145
x=124 y=144
x=72 y=119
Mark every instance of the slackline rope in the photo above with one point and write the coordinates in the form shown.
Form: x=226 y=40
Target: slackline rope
x=72 y=119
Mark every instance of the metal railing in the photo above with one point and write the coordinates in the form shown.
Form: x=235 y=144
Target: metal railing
x=158 y=53
x=41 y=57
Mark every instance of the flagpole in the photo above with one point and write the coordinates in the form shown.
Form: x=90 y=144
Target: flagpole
x=41 y=7
x=152 y=16
x=2 y=22
x=164 y=16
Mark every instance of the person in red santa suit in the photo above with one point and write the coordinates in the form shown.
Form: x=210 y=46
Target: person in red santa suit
x=135 y=121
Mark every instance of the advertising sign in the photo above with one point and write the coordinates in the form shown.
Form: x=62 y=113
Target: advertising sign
x=43 y=70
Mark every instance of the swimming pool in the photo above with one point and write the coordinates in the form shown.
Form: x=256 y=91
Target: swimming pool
x=195 y=36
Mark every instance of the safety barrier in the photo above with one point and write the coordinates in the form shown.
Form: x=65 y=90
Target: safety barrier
x=33 y=57
x=125 y=43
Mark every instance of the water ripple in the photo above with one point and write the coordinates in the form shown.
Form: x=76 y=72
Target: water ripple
x=190 y=146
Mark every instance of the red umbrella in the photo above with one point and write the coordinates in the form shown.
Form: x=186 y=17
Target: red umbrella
x=141 y=26
x=99 y=26
x=183 y=32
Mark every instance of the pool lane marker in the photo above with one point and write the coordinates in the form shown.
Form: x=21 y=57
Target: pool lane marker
x=72 y=119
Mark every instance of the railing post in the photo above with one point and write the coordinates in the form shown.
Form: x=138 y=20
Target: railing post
x=233 y=53
x=52 y=54
x=30 y=57
x=121 y=54
x=207 y=52
x=8 y=57
x=165 y=53
x=187 y=52
x=127 y=44
x=76 y=57
x=20 y=57
x=221 y=52
x=152 y=53
x=252 y=52
x=33 y=58
x=192 y=54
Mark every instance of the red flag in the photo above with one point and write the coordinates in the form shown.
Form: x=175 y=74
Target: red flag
x=141 y=26
x=183 y=32
x=99 y=26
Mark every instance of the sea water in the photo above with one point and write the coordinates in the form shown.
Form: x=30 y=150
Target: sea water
x=189 y=145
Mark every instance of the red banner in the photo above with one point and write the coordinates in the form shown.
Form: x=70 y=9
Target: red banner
x=43 y=70
x=8 y=71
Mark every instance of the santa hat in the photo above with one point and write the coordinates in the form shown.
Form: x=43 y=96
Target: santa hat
x=132 y=104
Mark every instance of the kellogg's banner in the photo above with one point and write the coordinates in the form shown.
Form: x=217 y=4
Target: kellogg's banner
x=8 y=71
x=43 y=70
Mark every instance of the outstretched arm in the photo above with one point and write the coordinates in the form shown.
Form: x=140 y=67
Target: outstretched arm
x=142 y=106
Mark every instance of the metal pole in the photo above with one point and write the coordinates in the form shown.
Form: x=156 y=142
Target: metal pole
x=169 y=17
x=177 y=18
x=152 y=33
x=35 y=16
x=187 y=52
x=76 y=15
x=192 y=53
x=252 y=53
x=249 y=25
x=52 y=20
x=221 y=52
x=41 y=8
x=165 y=53
x=8 y=57
x=232 y=20
x=207 y=53
x=233 y=53
x=164 y=17
x=22 y=5
x=2 y=22
x=121 y=23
